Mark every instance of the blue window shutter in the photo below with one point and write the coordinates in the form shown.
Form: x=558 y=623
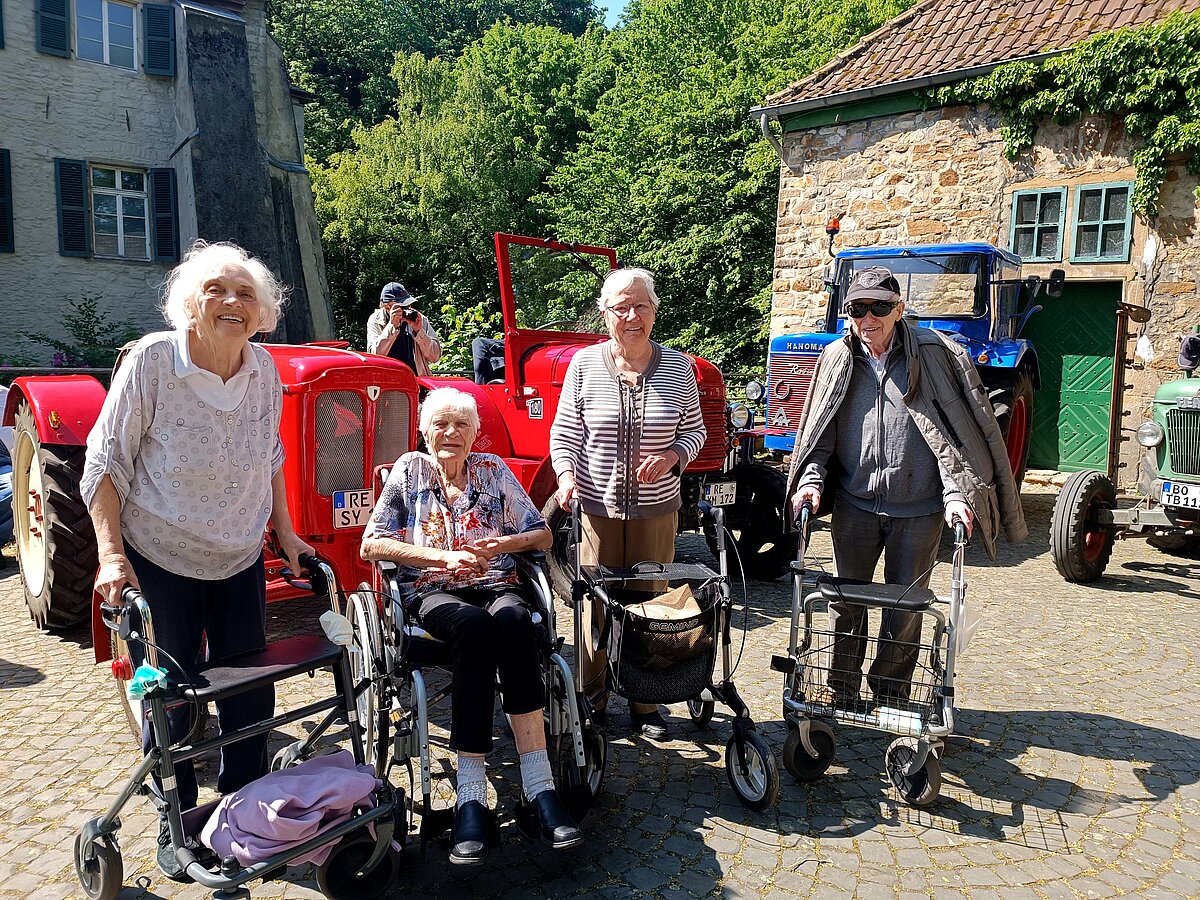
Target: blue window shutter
x=164 y=213
x=74 y=221
x=53 y=27
x=6 y=203
x=158 y=52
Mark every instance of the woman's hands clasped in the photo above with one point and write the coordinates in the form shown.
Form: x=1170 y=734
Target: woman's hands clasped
x=468 y=562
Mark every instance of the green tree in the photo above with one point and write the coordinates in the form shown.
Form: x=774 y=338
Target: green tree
x=472 y=140
x=675 y=174
x=343 y=52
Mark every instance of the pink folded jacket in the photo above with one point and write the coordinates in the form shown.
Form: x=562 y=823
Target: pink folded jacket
x=286 y=808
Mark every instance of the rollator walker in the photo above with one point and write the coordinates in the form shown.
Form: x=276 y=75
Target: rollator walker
x=923 y=720
x=364 y=862
x=673 y=661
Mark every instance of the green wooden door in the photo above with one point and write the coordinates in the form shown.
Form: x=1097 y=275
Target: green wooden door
x=1075 y=336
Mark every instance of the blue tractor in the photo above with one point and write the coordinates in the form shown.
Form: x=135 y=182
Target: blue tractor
x=973 y=292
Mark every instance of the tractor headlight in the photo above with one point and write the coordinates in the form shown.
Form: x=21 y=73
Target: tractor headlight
x=755 y=391
x=739 y=415
x=1150 y=434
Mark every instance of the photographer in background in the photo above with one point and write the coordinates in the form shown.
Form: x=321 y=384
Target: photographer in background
x=399 y=331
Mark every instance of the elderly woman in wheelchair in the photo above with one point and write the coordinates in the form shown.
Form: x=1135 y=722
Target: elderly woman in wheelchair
x=449 y=519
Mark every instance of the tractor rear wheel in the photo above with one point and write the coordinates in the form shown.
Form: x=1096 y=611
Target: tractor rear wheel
x=56 y=546
x=1079 y=544
x=757 y=523
x=1013 y=407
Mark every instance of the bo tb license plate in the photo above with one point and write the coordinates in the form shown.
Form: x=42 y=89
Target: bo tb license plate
x=1175 y=493
x=721 y=493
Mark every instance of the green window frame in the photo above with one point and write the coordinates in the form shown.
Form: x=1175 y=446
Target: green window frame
x=1036 y=225
x=1103 y=223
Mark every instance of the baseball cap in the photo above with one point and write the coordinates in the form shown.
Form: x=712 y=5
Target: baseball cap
x=873 y=283
x=395 y=292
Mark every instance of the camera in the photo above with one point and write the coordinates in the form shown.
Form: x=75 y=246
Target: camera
x=411 y=314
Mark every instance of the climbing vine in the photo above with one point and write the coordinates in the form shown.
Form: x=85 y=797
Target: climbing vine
x=1148 y=78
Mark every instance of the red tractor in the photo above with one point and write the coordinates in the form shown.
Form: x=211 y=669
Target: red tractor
x=344 y=415
x=548 y=291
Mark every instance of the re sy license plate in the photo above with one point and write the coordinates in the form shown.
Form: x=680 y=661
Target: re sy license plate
x=351 y=509
x=1175 y=493
x=721 y=493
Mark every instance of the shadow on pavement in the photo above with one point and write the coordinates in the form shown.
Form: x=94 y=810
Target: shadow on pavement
x=18 y=675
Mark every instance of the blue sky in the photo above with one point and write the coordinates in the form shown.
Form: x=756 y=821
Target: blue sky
x=612 y=11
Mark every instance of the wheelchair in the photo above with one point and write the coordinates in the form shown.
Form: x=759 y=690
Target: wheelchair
x=390 y=658
x=364 y=862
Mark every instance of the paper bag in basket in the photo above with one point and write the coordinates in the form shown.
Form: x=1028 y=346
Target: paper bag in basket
x=678 y=603
x=659 y=652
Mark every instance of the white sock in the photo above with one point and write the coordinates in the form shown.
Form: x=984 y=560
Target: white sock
x=536 y=775
x=472 y=779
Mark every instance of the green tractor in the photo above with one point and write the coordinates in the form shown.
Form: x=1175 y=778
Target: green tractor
x=1087 y=517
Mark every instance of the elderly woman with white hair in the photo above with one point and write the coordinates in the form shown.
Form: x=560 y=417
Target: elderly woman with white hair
x=450 y=519
x=628 y=423
x=183 y=472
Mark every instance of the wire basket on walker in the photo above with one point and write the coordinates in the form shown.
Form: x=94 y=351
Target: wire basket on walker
x=824 y=673
x=656 y=656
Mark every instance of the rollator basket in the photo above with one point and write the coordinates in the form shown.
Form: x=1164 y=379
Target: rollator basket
x=656 y=660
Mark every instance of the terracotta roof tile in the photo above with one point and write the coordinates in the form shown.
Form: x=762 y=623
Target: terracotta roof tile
x=937 y=36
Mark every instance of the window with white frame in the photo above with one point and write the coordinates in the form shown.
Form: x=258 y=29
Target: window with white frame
x=1037 y=224
x=106 y=32
x=1103 y=223
x=119 y=212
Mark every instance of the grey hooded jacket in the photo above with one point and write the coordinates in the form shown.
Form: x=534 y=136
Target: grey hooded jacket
x=950 y=408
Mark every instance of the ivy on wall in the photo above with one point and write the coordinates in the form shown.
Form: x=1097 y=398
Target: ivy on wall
x=1148 y=78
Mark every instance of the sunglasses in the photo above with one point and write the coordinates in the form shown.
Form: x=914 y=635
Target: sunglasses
x=878 y=309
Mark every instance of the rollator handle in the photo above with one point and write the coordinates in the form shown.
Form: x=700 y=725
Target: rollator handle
x=960 y=530
x=112 y=613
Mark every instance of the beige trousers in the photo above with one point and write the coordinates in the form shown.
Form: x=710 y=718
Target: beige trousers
x=618 y=543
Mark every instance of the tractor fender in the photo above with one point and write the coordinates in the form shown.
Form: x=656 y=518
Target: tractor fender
x=1002 y=371
x=493 y=431
x=545 y=482
x=65 y=407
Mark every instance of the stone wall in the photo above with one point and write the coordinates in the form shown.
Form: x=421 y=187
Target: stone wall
x=941 y=175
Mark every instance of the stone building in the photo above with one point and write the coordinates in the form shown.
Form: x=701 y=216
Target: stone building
x=857 y=142
x=127 y=130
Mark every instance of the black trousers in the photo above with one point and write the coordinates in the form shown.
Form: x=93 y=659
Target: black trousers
x=231 y=613
x=490 y=632
x=487 y=359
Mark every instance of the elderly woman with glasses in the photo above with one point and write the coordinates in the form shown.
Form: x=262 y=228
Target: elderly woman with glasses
x=898 y=419
x=184 y=468
x=628 y=423
x=450 y=519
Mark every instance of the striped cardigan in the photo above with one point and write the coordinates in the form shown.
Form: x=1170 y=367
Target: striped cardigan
x=604 y=429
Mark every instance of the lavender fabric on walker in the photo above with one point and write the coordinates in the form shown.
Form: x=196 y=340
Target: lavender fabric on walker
x=286 y=808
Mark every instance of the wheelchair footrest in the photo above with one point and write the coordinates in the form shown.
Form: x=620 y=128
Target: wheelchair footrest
x=281 y=660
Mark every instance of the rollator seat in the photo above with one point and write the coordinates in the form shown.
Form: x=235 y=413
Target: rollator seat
x=648 y=571
x=884 y=596
x=282 y=659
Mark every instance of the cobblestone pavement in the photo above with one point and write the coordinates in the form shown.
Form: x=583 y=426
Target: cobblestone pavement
x=1074 y=772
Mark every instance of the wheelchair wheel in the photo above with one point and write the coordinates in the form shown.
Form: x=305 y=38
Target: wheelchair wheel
x=578 y=787
x=360 y=610
x=101 y=873
x=757 y=783
x=920 y=788
x=338 y=878
x=701 y=711
x=796 y=759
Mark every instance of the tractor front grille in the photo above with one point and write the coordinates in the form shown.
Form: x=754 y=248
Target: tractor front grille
x=789 y=380
x=339 y=442
x=391 y=428
x=1183 y=441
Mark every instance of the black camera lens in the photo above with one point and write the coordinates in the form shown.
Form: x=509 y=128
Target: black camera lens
x=411 y=315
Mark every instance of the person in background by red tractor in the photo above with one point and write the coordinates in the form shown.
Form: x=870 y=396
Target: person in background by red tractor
x=401 y=332
x=627 y=425
x=183 y=472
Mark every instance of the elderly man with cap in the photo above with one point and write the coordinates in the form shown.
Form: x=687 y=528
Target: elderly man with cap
x=399 y=331
x=899 y=433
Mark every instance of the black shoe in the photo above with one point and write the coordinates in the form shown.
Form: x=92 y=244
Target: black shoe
x=167 y=863
x=469 y=839
x=651 y=724
x=555 y=824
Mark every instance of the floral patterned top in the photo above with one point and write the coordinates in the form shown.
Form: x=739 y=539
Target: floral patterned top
x=413 y=509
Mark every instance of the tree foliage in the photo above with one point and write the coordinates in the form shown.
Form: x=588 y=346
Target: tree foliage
x=1148 y=78
x=343 y=50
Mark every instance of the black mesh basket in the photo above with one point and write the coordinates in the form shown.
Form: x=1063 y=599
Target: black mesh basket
x=660 y=660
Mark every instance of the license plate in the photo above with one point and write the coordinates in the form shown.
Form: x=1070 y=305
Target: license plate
x=351 y=509
x=1175 y=493
x=721 y=493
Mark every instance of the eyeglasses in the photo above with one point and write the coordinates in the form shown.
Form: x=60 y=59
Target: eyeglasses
x=878 y=309
x=621 y=312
